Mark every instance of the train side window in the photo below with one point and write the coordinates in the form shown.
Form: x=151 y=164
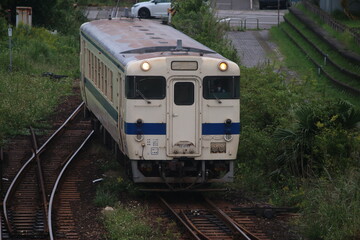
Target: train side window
x=111 y=87
x=102 y=76
x=99 y=73
x=89 y=63
x=148 y=87
x=92 y=67
x=106 y=80
x=184 y=93
x=221 y=87
x=95 y=70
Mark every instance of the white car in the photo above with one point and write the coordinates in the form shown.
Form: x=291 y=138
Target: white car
x=153 y=8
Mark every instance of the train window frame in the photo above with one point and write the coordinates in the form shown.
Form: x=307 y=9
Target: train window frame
x=184 y=98
x=133 y=91
x=221 y=87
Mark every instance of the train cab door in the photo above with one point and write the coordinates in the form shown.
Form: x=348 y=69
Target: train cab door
x=184 y=117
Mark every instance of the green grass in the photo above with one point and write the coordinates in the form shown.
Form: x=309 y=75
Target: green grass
x=319 y=59
x=345 y=37
x=132 y=222
x=323 y=46
x=331 y=209
x=311 y=84
x=27 y=97
x=342 y=18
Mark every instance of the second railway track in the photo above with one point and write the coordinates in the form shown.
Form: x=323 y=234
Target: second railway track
x=27 y=205
x=204 y=220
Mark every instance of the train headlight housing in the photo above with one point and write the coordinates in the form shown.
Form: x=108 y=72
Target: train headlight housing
x=139 y=131
x=227 y=136
x=223 y=66
x=145 y=66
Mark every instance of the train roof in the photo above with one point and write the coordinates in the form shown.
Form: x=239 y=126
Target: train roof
x=133 y=39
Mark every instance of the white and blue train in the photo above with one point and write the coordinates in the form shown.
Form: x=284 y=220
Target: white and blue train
x=170 y=103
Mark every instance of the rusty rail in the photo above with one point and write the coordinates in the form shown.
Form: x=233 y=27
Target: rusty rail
x=240 y=231
x=52 y=196
x=40 y=174
x=199 y=222
x=22 y=171
x=187 y=227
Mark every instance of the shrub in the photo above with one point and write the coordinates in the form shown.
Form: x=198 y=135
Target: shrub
x=196 y=19
x=325 y=140
x=265 y=101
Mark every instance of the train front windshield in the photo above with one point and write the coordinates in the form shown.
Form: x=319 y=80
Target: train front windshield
x=148 y=87
x=221 y=87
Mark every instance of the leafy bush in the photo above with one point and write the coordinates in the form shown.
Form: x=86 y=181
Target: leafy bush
x=265 y=101
x=325 y=140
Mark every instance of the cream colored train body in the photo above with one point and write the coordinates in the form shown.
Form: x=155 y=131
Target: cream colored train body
x=170 y=103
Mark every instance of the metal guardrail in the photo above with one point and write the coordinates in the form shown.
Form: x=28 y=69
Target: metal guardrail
x=243 y=23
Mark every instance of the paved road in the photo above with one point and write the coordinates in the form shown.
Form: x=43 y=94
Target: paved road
x=248 y=19
x=253 y=47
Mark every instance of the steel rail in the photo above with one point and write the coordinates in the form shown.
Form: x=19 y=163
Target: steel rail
x=58 y=182
x=193 y=234
x=40 y=174
x=13 y=184
x=188 y=221
x=242 y=232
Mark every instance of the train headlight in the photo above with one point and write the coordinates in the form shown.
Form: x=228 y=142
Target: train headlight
x=223 y=66
x=145 y=66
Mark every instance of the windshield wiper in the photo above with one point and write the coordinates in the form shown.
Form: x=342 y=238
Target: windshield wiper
x=142 y=95
x=219 y=101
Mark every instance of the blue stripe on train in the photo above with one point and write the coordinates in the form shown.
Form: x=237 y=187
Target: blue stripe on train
x=220 y=128
x=160 y=128
x=145 y=129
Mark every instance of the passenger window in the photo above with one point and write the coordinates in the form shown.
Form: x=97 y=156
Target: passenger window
x=221 y=87
x=184 y=93
x=148 y=87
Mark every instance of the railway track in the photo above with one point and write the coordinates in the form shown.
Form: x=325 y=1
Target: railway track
x=31 y=207
x=204 y=220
